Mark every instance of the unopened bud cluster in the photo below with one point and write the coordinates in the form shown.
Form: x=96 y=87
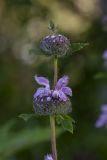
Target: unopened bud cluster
x=55 y=45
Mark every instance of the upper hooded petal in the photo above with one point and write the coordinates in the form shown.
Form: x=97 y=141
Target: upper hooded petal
x=62 y=82
x=42 y=81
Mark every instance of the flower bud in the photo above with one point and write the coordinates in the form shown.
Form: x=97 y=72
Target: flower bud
x=55 y=45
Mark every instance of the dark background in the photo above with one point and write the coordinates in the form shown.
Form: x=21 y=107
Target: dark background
x=23 y=23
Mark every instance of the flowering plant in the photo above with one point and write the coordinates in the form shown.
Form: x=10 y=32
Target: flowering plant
x=54 y=102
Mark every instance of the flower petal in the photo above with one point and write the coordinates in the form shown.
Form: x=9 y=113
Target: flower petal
x=104 y=108
x=42 y=92
x=48 y=157
x=67 y=91
x=101 y=121
x=39 y=92
x=62 y=96
x=62 y=82
x=55 y=94
x=42 y=81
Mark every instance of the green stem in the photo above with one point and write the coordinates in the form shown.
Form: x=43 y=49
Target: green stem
x=55 y=69
x=52 y=118
x=53 y=137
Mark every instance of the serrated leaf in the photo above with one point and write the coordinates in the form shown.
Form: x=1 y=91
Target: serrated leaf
x=78 y=46
x=26 y=117
x=66 y=122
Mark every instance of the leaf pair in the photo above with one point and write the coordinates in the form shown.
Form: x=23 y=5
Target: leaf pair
x=75 y=46
x=64 y=120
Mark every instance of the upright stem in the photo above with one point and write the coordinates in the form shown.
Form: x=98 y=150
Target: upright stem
x=52 y=118
x=53 y=137
x=55 y=69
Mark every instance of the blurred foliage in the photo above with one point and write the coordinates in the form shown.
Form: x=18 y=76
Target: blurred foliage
x=23 y=23
x=12 y=142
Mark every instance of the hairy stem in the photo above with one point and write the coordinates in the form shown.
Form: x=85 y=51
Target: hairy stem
x=52 y=117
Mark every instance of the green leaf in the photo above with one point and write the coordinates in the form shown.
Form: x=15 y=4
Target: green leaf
x=66 y=122
x=38 y=51
x=26 y=116
x=35 y=50
x=78 y=46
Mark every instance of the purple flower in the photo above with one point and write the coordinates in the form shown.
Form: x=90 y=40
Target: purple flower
x=55 y=45
x=102 y=120
x=104 y=22
x=61 y=91
x=52 y=101
x=48 y=157
x=104 y=56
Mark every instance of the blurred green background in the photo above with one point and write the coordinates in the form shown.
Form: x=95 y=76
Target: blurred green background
x=23 y=23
